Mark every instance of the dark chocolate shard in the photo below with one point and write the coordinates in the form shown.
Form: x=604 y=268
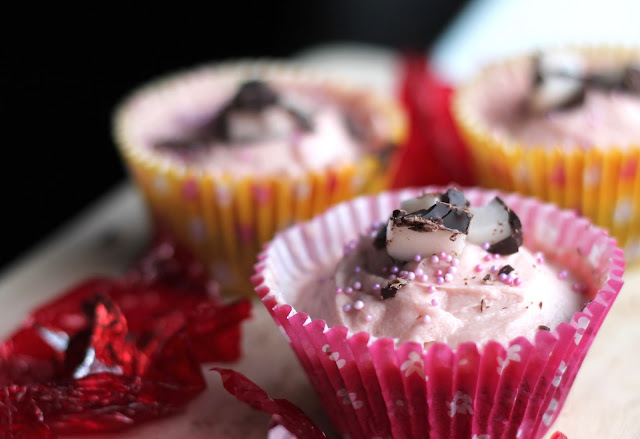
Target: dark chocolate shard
x=380 y=241
x=487 y=278
x=392 y=288
x=254 y=95
x=511 y=243
x=454 y=197
x=440 y=214
x=506 y=269
x=631 y=79
x=544 y=328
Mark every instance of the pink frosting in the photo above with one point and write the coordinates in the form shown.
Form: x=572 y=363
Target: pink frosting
x=167 y=112
x=463 y=308
x=604 y=119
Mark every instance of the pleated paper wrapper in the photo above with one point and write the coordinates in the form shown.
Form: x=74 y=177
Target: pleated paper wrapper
x=374 y=388
x=600 y=182
x=224 y=218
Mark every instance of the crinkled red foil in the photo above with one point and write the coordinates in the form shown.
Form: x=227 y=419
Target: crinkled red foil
x=110 y=353
x=433 y=152
x=282 y=411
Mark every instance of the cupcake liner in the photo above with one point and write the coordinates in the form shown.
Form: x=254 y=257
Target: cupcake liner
x=224 y=218
x=602 y=183
x=373 y=387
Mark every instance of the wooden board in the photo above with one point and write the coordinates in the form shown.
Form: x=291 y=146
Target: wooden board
x=604 y=401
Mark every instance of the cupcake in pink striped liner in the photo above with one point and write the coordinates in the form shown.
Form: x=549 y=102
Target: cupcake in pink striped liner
x=441 y=313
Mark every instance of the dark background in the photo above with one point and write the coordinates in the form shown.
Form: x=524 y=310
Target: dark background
x=63 y=74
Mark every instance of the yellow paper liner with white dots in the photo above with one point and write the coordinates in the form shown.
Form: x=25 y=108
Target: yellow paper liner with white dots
x=603 y=184
x=225 y=222
x=224 y=219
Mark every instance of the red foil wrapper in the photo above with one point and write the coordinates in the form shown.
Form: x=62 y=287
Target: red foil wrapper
x=434 y=152
x=111 y=353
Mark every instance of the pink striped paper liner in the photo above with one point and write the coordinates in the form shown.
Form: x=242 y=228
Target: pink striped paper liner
x=373 y=388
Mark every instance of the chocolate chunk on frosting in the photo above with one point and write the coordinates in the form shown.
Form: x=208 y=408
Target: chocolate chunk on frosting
x=452 y=196
x=497 y=225
x=560 y=81
x=506 y=269
x=392 y=288
x=442 y=227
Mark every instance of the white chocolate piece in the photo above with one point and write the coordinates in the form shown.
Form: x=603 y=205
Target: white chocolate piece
x=403 y=243
x=490 y=223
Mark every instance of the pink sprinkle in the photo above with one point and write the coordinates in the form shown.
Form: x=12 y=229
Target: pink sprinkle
x=435 y=259
x=487 y=258
x=348 y=290
x=434 y=302
x=485 y=246
x=353 y=244
x=577 y=287
x=417 y=258
x=346 y=307
x=358 y=304
x=517 y=281
x=439 y=273
x=346 y=251
x=452 y=270
x=411 y=275
x=539 y=257
x=455 y=262
x=442 y=255
x=440 y=280
x=392 y=277
x=448 y=258
x=495 y=268
x=497 y=256
x=368 y=317
x=477 y=268
x=426 y=319
x=375 y=287
x=563 y=275
x=448 y=277
x=502 y=277
x=424 y=278
x=338 y=290
x=403 y=273
x=431 y=289
x=357 y=285
x=357 y=269
x=394 y=269
x=418 y=271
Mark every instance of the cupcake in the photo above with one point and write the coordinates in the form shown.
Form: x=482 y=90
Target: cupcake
x=440 y=313
x=227 y=154
x=562 y=125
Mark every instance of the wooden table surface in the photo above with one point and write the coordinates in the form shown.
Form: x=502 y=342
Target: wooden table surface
x=604 y=401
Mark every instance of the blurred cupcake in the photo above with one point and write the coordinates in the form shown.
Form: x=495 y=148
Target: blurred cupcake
x=562 y=125
x=227 y=154
x=439 y=313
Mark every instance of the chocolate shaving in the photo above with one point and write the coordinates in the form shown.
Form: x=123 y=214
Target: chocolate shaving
x=439 y=215
x=506 y=269
x=544 y=328
x=511 y=243
x=380 y=241
x=392 y=288
x=483 y=305
x=487 y=278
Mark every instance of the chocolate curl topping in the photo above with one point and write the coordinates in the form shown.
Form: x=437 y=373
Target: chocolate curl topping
x=511 y=243
x=392 y=288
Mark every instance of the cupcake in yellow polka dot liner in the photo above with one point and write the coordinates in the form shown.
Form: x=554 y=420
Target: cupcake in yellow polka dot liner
x=562 y=125
x=226 y=154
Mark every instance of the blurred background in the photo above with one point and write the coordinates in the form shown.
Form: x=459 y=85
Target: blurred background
x=64 y=71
